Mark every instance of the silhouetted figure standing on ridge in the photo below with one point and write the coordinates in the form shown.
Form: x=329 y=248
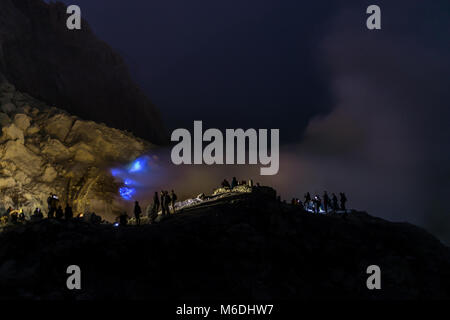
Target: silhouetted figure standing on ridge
x=68 y=213
x=51 y=213
x=59 y=213
x=326 y=201
x=343 y=201
x=225 y=184
x=167 y=201
x=318 y=203
x=137 y=213
x=307 y=200
x=155 y=208
x=38 y=214
x=234 y=183
x=49 y=202
x=163 y=202
x=334 y=200
x=174 y=198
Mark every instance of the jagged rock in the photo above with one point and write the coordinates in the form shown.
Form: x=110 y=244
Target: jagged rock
x=22 y=121
x=12 y=132
x=22 y=157
x=59 y=126
x=56 y=150
x=83 y=152
x=50 y=174
x=21 y=179
x=7 y=182
x=33 y=130
x=45 y=150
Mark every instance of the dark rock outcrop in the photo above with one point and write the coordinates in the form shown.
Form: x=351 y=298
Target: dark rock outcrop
x=240 y=247
x=71 y=69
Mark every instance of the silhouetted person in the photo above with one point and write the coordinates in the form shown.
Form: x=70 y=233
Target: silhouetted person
x=307 y=198
x=225 y=184
x=51 y=213
x=334 y=201
x=343 y=201
x=50 y=202
x=293 y=201
x=326 y=201
x=163 y=203
x=68 y=213
x=137 y=213
x=13 y=217
x=59 y=213
x=234 y=183
x=317 y=202
x=167 y=201
x=123 y=219
x=174 y=198
x=156 y=202
x=21 y=216
x=38 y=214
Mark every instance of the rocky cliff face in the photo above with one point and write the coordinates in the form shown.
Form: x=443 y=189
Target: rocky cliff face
x=45 y=150
x=71 y=69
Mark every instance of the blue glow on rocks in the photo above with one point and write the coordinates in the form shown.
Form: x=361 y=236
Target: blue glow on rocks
x=127 y=193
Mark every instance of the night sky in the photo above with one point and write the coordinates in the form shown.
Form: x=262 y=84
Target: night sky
x=362 y=111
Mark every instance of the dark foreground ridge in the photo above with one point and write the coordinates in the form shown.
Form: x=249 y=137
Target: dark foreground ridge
x=245 y=246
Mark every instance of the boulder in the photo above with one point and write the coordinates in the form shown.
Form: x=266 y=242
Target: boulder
x=22 y=121
x=83 y=153
x=7 y=182
x=33 y=130
x=59 y=126
x=12 y=132
x=56 y=150
x=21 y=178
x=22 y=157
x=49 y=174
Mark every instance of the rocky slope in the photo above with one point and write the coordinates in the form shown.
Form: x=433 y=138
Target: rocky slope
x=46 y=150
x=245 y=246
x=71 y=69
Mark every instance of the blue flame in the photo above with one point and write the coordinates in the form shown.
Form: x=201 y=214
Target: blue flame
x=137 y=165
x=134 y=176
x=127 y=193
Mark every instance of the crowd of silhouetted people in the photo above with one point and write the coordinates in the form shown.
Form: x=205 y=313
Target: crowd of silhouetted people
x=234 y=183
x=326 y=203
x=54 y=211
x=164 y=200
x=165 y=203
